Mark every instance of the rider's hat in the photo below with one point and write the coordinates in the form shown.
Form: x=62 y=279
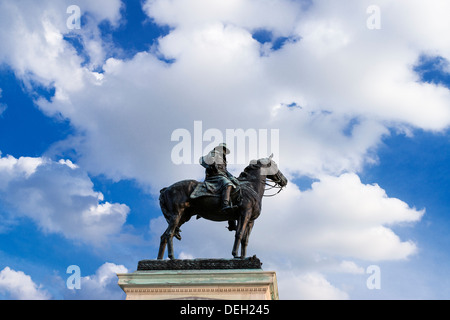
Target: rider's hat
x=223 y=146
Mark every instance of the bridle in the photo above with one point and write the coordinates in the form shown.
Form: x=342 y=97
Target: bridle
x=276 y=183
x=274 y=186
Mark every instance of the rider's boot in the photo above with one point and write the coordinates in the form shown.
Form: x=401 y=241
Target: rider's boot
x=232 y=225
x=226 y=195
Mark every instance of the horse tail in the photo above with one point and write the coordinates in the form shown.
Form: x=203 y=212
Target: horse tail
x=163 y=203
x=162 y=190
x=172 y=199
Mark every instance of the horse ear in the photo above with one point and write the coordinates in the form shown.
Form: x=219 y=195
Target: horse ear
x=271 y=156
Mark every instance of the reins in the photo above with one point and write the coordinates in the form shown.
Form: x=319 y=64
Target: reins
x=274 y=186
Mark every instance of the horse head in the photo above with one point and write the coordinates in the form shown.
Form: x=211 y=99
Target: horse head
x=269 y=168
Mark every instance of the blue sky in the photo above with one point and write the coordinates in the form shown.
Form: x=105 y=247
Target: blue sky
x=86 y=118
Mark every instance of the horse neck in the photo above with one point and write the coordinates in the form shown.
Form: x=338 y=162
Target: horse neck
x=258 y=182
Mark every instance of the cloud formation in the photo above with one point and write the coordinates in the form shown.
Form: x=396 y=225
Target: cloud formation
x=101 y=284
x=350 y=85
x=19 y=286
x=354 y=221
x=59 y=198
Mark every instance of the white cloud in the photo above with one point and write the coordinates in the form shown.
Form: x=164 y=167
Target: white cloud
x=11 y=167
x=59 y=198
x=100 y=286
x=183 y=255
x=308 y=286
x=68 y=163
x=353 y=221
x=334 y=73
x=350 y=267
x=33 y=33
x=17 y=285
x=277 y=16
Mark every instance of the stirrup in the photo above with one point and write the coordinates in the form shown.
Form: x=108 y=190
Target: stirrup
x=226 y=208
x=229 y=208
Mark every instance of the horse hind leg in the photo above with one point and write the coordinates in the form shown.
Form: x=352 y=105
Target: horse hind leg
x=166 y=238
x=166 y=241
x=171 y=232
x=163 y=243
x=173 y=202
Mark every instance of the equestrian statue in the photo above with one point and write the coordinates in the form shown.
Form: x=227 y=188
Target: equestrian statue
x=220 y=197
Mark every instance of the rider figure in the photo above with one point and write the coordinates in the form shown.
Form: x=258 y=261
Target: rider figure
x=217 y=175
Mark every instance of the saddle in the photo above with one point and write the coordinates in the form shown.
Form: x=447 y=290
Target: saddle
x=205 y=189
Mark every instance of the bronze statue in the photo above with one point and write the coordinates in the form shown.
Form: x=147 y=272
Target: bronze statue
x=187 y=198
x=218 y=180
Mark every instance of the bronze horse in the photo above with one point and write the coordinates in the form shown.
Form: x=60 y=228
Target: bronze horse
x=178 y=207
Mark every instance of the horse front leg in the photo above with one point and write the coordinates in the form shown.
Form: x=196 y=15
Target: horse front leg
x=234 y=252
x=245 y=238
x=162 y=248
x=242 y=225
x=162 y=245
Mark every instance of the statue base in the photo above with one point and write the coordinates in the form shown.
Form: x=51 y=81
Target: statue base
x=234 y=279
x=199 y=264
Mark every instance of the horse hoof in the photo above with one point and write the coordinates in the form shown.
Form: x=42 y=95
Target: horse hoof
x=177 y=234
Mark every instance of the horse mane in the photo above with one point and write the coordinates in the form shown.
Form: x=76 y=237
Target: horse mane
x=246 y=179
x=244 y=176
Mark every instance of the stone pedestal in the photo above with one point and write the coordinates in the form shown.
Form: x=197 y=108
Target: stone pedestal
x=195 y=284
